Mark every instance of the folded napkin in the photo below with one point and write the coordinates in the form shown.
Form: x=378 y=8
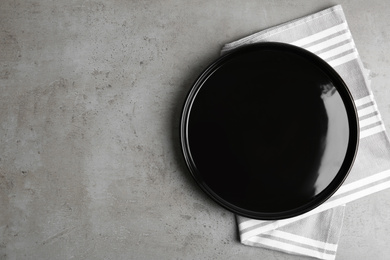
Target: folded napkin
x=316 y=233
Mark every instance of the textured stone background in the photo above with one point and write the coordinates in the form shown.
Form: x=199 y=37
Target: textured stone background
x=90 y=97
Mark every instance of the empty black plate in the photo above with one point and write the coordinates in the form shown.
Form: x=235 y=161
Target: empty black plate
x=269 y=131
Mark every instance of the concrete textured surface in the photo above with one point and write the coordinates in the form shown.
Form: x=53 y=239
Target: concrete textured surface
x=90 y=97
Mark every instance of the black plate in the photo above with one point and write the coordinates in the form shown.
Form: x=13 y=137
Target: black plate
x=269 y=131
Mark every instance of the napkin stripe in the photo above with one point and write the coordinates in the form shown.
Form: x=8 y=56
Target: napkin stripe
x=366 y=111
x=290 y=247
x=342 y=60
x=262 y=36
x=373 y=123
x=374 y=130
x=299 y=241
x=336 y=51
x=364 y=100
x=321 y=35
x=302 y=240
x=331 y=42
x=362 y=182
x=369 y=121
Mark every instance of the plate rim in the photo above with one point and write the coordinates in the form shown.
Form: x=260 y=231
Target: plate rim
x=351 y=111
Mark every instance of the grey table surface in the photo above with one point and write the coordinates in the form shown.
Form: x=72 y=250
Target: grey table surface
x=91 y=94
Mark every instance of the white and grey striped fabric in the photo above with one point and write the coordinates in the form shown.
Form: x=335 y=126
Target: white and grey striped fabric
x=316 y=233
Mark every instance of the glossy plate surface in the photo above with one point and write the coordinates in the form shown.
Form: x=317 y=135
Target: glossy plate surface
x=269 y=131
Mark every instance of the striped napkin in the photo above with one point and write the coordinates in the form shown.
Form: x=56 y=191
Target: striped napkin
x=316 y=233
